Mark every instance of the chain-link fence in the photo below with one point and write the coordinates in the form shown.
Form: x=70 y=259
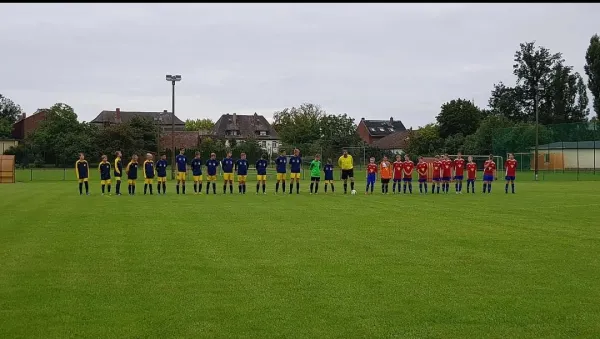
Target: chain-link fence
x=565 y=151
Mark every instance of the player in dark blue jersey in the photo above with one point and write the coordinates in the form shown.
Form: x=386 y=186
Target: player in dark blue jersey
x=211 y=173
x=82 y=171
x=149 y=173
x=181 y=161
x=227 y=167
x=118 y=170
x=328 y=169
x=281 y=168
x=295 y=167
x=241 y=167
x=197 y=173
x=161 y=174
x=104 y=169
x=261 y=174
x=131 y=171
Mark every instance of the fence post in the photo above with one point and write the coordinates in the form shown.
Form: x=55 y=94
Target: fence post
x=31 y=174
x=64 y=174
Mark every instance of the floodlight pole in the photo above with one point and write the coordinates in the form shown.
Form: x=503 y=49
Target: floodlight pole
x=173 y=79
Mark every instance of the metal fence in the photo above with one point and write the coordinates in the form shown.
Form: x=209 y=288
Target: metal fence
x=565 y=151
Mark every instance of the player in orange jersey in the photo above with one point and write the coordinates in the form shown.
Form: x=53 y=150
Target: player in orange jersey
x=385 y=170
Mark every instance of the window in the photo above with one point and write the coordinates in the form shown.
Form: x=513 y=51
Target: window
x=274 y=144
x=263 y=144
x=372 y=129
x=391 y=129
x=381 y=129
x=263 y=133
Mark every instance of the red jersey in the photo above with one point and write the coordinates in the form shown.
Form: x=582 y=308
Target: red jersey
x=408 y=167
x=511 y=167
x=422 y=168
x=471 y=171
x=446 y=168
x=459 y=167
x=437 y=167
x=489 y=167
x=398 y=169
x=371 y=168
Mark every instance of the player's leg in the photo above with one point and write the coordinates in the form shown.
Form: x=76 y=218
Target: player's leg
x=150 y=186
x=87 y=186
x=512 y=184
x=145 y=186
x=410 y=186
x=103 y=185
x=264 y=185
x=317 y=185
x=208 y=182
x=283 y=182
x=214 y=185
x=506 y=185
x=332 y=188
x=425 y=185
x=298 y=184
x=312 y=185
x=178 y=182
x=420 y=187
x=351 y=180
x=108 y=184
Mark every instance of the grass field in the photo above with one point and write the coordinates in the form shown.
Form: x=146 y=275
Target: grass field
x=300 y=266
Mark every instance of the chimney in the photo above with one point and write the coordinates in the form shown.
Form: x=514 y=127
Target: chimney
x=362 y=119
x=118 y=115
x=234 y=119
x=391 y=120
x=24 y=116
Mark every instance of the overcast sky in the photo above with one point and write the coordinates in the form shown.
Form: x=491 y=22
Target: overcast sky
x=366 y=60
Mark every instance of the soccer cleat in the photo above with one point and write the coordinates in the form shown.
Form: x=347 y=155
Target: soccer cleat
x=88 y=193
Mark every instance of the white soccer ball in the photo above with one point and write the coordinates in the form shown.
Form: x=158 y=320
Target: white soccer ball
x=353 y=192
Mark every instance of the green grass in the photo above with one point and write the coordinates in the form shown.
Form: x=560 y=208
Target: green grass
x=443 y=266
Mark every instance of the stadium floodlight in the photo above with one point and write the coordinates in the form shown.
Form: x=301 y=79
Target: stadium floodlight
x=173 y=79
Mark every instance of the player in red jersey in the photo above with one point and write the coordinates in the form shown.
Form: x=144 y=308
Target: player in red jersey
x=437 y=174
x=471 y=174
x=489 y=174
x=407 y=172
x=422 y=168
x=459 y=168
x=371 y=175
x=511 y=172
x=446 y=173
x=397 y=174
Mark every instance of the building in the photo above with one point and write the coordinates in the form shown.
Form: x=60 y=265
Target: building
x=372 y=130
x=244 y=127
x=395 y=142
x=27 y=124
x=5 y=144
x=107 y=118
x=567 y=155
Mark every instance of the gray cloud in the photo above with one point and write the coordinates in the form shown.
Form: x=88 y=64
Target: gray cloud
x=367 y=60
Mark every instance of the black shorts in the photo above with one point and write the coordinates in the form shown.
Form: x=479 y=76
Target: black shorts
x=347 y=174
x=317 y=179
x=385 y=181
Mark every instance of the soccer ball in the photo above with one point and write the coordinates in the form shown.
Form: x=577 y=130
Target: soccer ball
x=353 y=192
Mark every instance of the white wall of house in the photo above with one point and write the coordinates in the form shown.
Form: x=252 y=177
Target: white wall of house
x=271 y=146
x=584 y=158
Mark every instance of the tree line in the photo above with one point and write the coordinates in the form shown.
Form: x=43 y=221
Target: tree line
x=544 y=84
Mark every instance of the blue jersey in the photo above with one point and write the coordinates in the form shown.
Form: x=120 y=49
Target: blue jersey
x=242 y=167
x=261 y=167
x=104 y=168
x=328 y=169
x=295 y=162
x=118 y=167
x=161 y=168
x=211 y=167
x=149 y=169
x=281 y=163
x=82 y=169
x=197 y=166
x=227 y=165
x=181 y=163
x=131 y=170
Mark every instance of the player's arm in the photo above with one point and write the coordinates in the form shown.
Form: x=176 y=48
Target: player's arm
x=127 y=168
x=117 y=167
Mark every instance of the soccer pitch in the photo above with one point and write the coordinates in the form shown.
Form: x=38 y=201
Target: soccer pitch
x=300 y=266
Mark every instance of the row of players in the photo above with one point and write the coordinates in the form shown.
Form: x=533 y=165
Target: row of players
x=443 y=171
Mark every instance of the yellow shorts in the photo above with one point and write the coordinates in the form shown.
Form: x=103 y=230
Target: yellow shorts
x=242 y=178
x=228 y=176
x=294 y=176
x=148 y=181
x=197 y=178
x=281 y=176
x=161 y=179
x=105 y=182
x=117 y=178
x=211 y=177
x=131 y=181
x=83 y=180
x=329 y=181
x=180 y=176
x=261 y=178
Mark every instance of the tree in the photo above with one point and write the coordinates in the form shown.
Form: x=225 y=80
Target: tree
x=458 y=116
x=337 y=132
x=454 y=143
x=425 y=141
x=533 y=68
x=297 y=126
x=9 y=112
x=199 y=124
x=563 y=101
x=482 y=141
x=507 y=102
x=592 y=69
